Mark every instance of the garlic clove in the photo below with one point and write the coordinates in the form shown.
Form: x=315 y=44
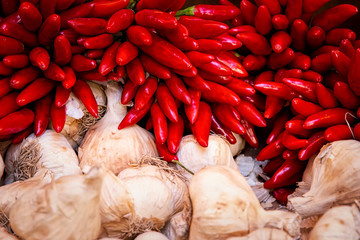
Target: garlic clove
x=151 y=235
x=67 y=208
x=264 y=234
x=238 y=146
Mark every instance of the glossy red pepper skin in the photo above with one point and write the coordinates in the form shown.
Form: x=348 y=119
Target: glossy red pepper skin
x=61 y=95
x=190 y=44
x=201 y=127
x=295 y=126
x=354 y=75
x=275 y=89
x=210 y=46
x=98 y=42
x=338 y=132
x=62 y=5
x=167 y=102
x=88 y=26
x=293 y=143
x=30 y=16
x=18 y=32
x=139 y=35
x=257 y=99
x=49 y=30
x=221 y=94
x=305 y=108
x=192 y=110
x=273 y=165
x=255 y=42
x=108 y=61
x=305 y=88
x=70 y=34
x=81 y=63
x=249 y=135
x=164 y=152
x=197 y=58
x=70 y=77
x=280 y=22
x=312 y=6
x=133 y=116
x=317 y=140
x=335 y=36
x=323 y=49
x=145 y=92
x=54 y=72
x=340 y=61
x=105 y=9
x=34 y=91
x=217 y=68
x=159 y=123
x=262 y=20
x=298 y=33
x=10 y=46
x=334 y=16
x=312 y=76
x=167 y=54
x=16 y=122
x=225 y=115
x=347 y=48
x=178 y=89
x=272 y=150
x=58 y=117
x=242 y=28
x=42 y=114
x=284 y=73
x=83 y=91
x=162 y=5
x=8 y=103
x=39 y=57
x=218 y=128
x=328 y=118
x=9 y=6
x=248 y=10
x=154 y=68
x=280 y=60
x=346 y=96
x=273 y=106
x=136 y=71
x=321 y=63
x=120 y=20
x=129 y=92
x=293 y=9
x=211 y=12
x=228 y=42
x=62 y=50
x=301 y=61
x=175 y=133
x=20 y=136
x=15 y=61
x=155 y=19
x=202 y=29
x=325 y=97
x=290 y=154
x=176 y=35
x=126 y=52
x=281 y=194
x=80 y=11
x=254 y=62
x=240 y=87
x=248 y=111
x=228 y=59
x=5 y=70
x=280 y=41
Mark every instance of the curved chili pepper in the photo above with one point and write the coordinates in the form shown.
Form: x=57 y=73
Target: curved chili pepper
x=30 y=16
x=80 y=11
x=95 y=53
x=293 y=143
x=98 y=42
x=159 y=123
x=328 y=118
x=281 y=194
x=175 y=133
x=88 y=26
x=240 y=87
x=272 y=150
x=70 y=77
x=18 y=32
x=54 y=72
x=8 y=104
x=165 y=153
x=145 y=92
x=248 y=11
x=136 y=71
x=154 y=68
x=298 y=33
x=221 y=94
x=108 y=61
x=61 y=96
x=251 y=113
x=290 y=154
x=217 y=68
x=262 y=20
x=197 y=83
x=83 y=92
x=201 y=127
x=280 y=22
x=249 y=135
x=192 y=110
x=295 y=126
x=62 y=51
x=133 y=116
x=16 y=122
x=334 y=16
x=34 y=91
x=201 y=28
x=279 y=60
x=278 y=127
x=317 y=140
x=305 y=108
x=338 y=132
x=254 y=62
x=216 y=78
x=49 y=30
x=312 y=76
x=218 y=128
x=42 y=114
x=293 y=9
x=209 y=45
x=228 y=42
x=139 y=35
x=255 y=42
x=305 y=88
x=275 y=89
x=345 y=95
x=210 y=12
x=129 y=92
x=354 y=75
x=190 y=44
x=167 y=102
x=347 y=48
x=58 y=117
x=155 y=19
x=178 y=89
x=273 y=165
x=197 y=58
x=228 y=59
x=340 y=61
x=120 y=20
x=39 y=57
x=104 y=9
x=81 y=63
x=225 y=115
x=325 y=97
x=273 y=106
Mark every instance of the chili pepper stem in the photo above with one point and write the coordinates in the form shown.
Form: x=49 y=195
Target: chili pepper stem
x=181 y=165
x=132 y=4
x=190 y=11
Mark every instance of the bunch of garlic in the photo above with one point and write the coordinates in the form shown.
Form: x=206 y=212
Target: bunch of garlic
x=116 y=149
x=340 y=222
x=334 y=180
x=78 y=118
x=67 y=208
x=143 y=198
x=195 y=157
x=51 y=150
x=224 y=206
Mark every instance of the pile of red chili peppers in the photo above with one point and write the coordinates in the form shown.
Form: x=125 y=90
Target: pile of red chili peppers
x=221 y=68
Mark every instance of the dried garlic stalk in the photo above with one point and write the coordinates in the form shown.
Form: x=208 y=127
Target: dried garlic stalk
x=335 y=177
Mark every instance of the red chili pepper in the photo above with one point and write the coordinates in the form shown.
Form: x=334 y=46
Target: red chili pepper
x=295 y=126
x=190 y=44
x=280 y=22
x=167 y=102
x=315 y=37
x=165 y=153
x=10 y=46
x=70 y=77
x=18 y=32
x=301 y=61
x=228 y=59
x=346 y=96
x=242 y=28
x=83 y=91
x=357 y=131
x=136 y=71
x=354 y=75
x=228 y=42
x=30 y=16
x=49 y=30
x=272 y=150
x=216 y=78
x=162 y=5
x=155 y=19
x=16 y=122
x=312 y=6
x=218 y=128
x=197 y=83
x=126 y=52
x=312 y=76
x=192 y=110
x=284 y=73
x=95 y=53
x=305 y=108
x=290 y=154
x=317 y=140
x=62 y=50
x=13 y=18
x=129 y=92
x=47 y=7
x=262 y=20
x=8 y=104
x=167 y=54
x=108 y=61
x=334 y=16
x=4 y=70
x=58 y=117
x=34 y=91
x=14 y=61
x=81 y=63
x=62 y=5
x=201 y=127
x=322 y=63
x=323 y=49
x=145 y=92
x=71 y=35
x=276 y=89
x=293 y=9
x=272 y=5
x=273 y=165
x=273 y=106
x=278 y=127
x=39 y=57
x=335 y=36
x=298 y=34
x=201 y=29
x=209 y=45
x=221 y=94
x=175 y=133
x=9 y=6
x=120 y=20
x=225 y=115
x=254 y=62
x=293 y=143
x=42 y=114
x=98 y=42
x=281 y=194
x=104 y=9
x=257 y=99
x=325 y=97
x=198 y=58
x=54 y=72
x=159 y=123
x=218 y=68
x=80 y=11
x=88 y=26
x=305 y=88
x=279 y=60
x=176 y=35
x=249 y=135
x=178 y=89
x=20 y=136
x=251 y=113
x=62 y=95
x=176 y=5
x=154 y=68
x=139 y=35
x=338 y=132
x=133 y=116
x=240 y=87
x=211 y=12
x=328 y=118
x=347 y=48
x=255 y=42
x=248 y=10
x=340 y=61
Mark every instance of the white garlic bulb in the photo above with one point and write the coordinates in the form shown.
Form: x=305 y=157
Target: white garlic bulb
x=116 y=149
x=237 y=147
x=151 y=235
x=51 y=150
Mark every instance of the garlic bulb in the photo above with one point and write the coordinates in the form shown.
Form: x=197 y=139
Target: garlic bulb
x=116 y=149
x=4 y=235
x=335 y=177
x=151 y=235
x=67 y=208
x=265 y=234
x=143 y=198
x=194 y=157
x=238 y=146
x=50 y=150
x=2 y=168
x=341 y=222
x=78 y=118
x=225 y=206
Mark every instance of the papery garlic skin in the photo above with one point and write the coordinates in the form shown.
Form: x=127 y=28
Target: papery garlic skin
x=4 y=235
x=341 y=222
x=116 y=149
x=151 y=235
x=2 y=168
x=51 y=150
x=3 y=147
x=265 y=234
x=237 y=147
x=195 y=157
x=67 y=208
x=335 y=177
x=224 y=206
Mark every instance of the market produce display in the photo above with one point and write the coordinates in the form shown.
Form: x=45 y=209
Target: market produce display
x=95 y=92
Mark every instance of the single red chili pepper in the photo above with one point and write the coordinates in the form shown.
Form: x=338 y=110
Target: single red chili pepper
x=313 y=6
x=225 y=115
x=197 y=58
x=347 y=48
x=129 y=92
x=49 y=30
x=325 y=97
x=272 y=150
x=133 y=116
x=176 y=5
x=197 y=83
x=280 y=22
x=354 y=75
x=221 y=94
x=211 y=12
x=312 y=76
x=323 y=49
x=338 y=132
x=120 y=20
x=108 y=61
x=4 y=70
x=88 y=26
x=159 y=123
x=346 y=96
x=284 y=73
x=321 y=63
x=58 y=117
x=293 y=9
x=305 y=88
x=240 y=87
x=13 y=18
x=190 y=44
x=81 y=63
x=98 y=42
x=218 y=128
x=54 y=72
x=217 y=68
x=30 y=16
x=201 y=127
x=155 y=19
x=216 y=78
x=120 y=71
x=165 y=153
x=139 y=35
x=16 y=122
x=167 y=102
x=145 y=92
x=290 y=154
x=16 y=61
x=357 y=131
x=42 y=114
x=305 y=108
x=34 y=91
x=167 y=54
x=178 y=89
x=209 y=45
x=229 y=60
x=228 y=42
x=192 y=110
x=273 y=106
x=334 y=36
x=39 y=57
x=20 y=136
x=317 y=140
x=248 y=10
x=62 y=95
x=8 y=104
x=273 y=165
x=80 y=11
x=278 y=127
x=267 y=76
x=47 y=7
x=249 y=135
x=298 y=33
x=105 y=9
x=301 y=61
x=177 y=34
x=281 y=194
x=276 y=89
x=154 y=68
x=272 y=5
x=10 y=46
x=255 y=42
x=315 y=37
x=5 y=87
x=328 y=118
x=62 y=5
x=262 y=20
x=18 y=32
x=334 y=16
x=242 y=28
x=126 y=52
x=293 y=143
x=295 y=126
x=71 y=35
x=23 y=77
x=201 y=28
x=340 y=61
x=83 y=91
x=175 y=133
x=248 y=111
x=254 y=62
x=70 y=77
x=136 y=71
x=158 y=4
x=62 y=50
